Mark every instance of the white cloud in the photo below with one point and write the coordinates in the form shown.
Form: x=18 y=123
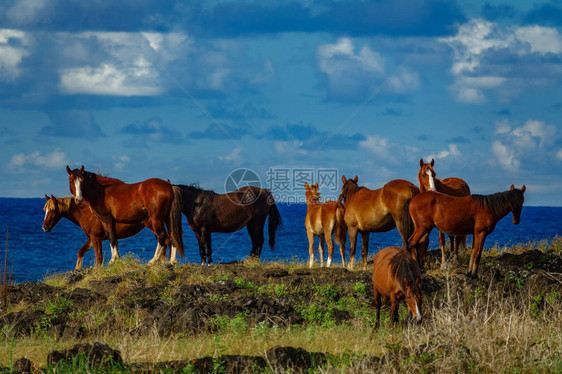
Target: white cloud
x=532 y=141
x=14 y=46
x=452 y=150
x=235 y=156
x=376 y=144
x=55 y=159
x=479 y=42
x=559 y=154
x=404 y=81
x=25 y=11
x=121 y=161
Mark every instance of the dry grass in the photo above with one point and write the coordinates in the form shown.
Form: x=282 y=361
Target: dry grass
x=482 y=329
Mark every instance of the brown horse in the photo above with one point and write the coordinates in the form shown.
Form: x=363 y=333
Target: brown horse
x=397 y=276
x=322 y=220
x=114 y=201
x=65 y=207
x=474 y=214
x=450 y=186
x=374 y=211
x=209 y=212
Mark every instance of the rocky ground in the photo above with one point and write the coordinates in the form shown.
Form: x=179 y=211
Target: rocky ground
x=192 y=300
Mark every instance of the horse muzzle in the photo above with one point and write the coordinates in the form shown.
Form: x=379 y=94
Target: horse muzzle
x=47 y=228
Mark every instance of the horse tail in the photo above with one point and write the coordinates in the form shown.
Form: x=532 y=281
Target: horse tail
x=275 y=221
x=407 y=225
x=341 y=227
x=175 y=224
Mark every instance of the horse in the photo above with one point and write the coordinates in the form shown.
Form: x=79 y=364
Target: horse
x=474 y=214
x=81 y=215
x=377 y=210
x=208 y=212
x=450 y=186
x=114 y=201
x=397 y=276
x=322 y=220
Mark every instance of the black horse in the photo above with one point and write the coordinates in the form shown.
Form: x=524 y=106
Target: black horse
x=209 y=212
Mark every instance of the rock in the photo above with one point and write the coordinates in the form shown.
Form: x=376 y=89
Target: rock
x=23 y=365
x=97 y=355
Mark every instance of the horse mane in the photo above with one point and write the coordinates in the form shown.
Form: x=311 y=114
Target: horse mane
x=103 y=180
x=63 y=204
x=496 y=203
x=401 y=267
x=348 y=190
x=194 y=187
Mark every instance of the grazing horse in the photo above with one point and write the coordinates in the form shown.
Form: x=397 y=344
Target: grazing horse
x=474 y=214
x=374 y=211
x=65 y=207
x=450 y=186
x=322 y=220
x=397 y=276
x=209 y=212
x=114 y=201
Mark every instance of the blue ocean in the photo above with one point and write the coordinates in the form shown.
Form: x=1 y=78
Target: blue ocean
x=34 y=254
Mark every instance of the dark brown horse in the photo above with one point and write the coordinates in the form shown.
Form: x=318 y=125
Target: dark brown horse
x=474 y=214
x=323 y=220
x=374 y=211
x=397 y=276
x=449 y=186
x=65 y=207
x=209 y=212
x=114 y=201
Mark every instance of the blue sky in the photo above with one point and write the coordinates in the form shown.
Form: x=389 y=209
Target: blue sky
x=190 y=91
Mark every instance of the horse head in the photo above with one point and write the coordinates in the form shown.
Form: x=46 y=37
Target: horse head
x=426 y=175
x=517 y=203
x=349 y=188
x=52 y=213
x=76 y=182
x=413 y=297
x=311 y=192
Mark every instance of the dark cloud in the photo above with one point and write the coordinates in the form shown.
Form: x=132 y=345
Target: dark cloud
x=388 y=17
x=219 y=132
x=152 y=130
x=459 y=139
x=73 y=124
x=238 y=112
x=504 y=112
x=311 y=138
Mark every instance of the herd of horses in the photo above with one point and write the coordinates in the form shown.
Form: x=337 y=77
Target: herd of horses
x=110 y=209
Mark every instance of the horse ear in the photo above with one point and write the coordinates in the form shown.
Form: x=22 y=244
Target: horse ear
x=46 y=197
x=343 y=179
x=421 y=162
x=68 y=170
x=316 y=185
x=355 y=179
x=52 y=197
x=512 y=187
x=306 y=185
x=523 y=189
x=82 y=169
x=432 y=162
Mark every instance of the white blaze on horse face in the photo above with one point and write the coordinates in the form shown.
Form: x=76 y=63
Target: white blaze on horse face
x=78 y=189
x=431 y=180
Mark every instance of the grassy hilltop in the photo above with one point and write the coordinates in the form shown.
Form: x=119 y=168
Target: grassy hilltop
x=278 y=317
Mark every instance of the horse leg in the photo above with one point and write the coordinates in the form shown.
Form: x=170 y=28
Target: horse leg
x=82 y=251
x=255 y=230
x=477 y=245
x=111 y=233
x=321 y=249
x=310 y=236
x=352 y=246
x=364 y=249
x=160 y=232
x=394 y=308
x=208 y=248
x=442 y=245
x=330 y=245
x=342 y=252
x=377 y=306
x=201 y=247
